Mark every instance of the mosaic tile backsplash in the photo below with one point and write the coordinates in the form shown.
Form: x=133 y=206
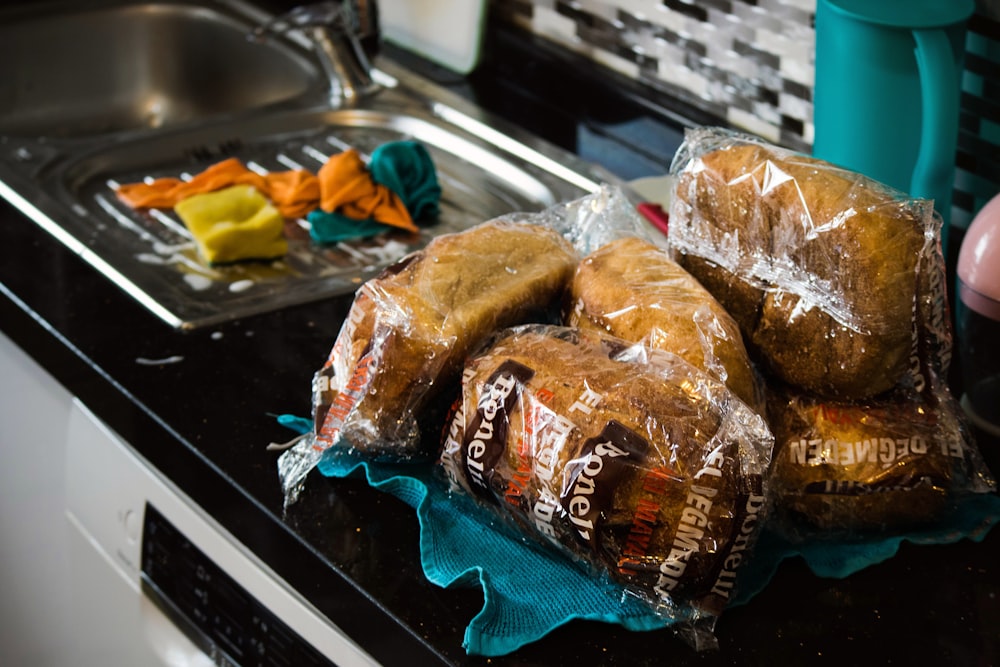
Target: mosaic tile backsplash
x=751 y=64
x=748 y=62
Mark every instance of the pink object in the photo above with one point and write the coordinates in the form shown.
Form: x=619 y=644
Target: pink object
x=979 y=262
x=655 y=214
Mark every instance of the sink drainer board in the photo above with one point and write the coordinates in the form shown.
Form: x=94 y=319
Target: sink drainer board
x=152 y=255
x=63 y=155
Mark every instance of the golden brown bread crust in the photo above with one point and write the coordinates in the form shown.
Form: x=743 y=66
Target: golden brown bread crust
x=650 y=472
x=409 y=329
x=631 y=289
x=817 y=265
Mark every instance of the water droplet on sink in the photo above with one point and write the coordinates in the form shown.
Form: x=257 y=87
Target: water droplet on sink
x=241 y=285
x=197 y=282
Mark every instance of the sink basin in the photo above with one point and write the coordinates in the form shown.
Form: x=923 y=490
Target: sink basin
x=62 y=157
x=145 y=65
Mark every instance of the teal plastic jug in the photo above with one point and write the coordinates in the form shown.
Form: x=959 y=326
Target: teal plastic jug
x=887 y=89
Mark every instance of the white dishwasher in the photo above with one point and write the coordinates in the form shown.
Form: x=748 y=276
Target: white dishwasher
x=103 y=562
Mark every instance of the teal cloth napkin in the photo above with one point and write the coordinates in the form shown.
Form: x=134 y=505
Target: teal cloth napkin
x=406 y=168
x=528 y=592
x=327 y=228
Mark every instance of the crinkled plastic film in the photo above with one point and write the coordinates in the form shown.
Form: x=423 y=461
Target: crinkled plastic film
x=409 y=329
x=597 y=219
x=780 y=207
x=884 y=466
x=406 y=335
x=628 y=460
x=632 y=289
x=869 y=441
x=817 y=264
x=902 y=461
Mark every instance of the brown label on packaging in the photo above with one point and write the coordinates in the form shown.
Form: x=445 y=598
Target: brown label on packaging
x=485 y=439
x=747 y=514
x=596 y=473
x=322 y=396
x=850 y=487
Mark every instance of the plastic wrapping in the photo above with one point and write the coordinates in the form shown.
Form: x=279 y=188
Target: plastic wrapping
x=409 y=329
x=874 y=467
x=629 y=460
x=899 y=462
x=631 y=289
x=672 y=524
x=839 y=286
x=641 y=468
x=600 y=218
x=394 y=366
x=818 y=265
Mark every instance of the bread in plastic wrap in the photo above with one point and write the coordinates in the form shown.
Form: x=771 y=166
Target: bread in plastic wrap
x=839 y=285
x=846 y=470
x=381 y=391
x=628 y=460
x=409 y=329
x=632 y=289
x=902 y=461
x=818 y=265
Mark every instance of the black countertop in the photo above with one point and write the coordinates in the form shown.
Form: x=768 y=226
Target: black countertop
x=204 y=421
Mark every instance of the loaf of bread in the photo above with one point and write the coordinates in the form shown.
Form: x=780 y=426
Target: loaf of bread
x=409 y=329
x=853 y=470
x=632 y=289
x=817 y=265
x=905 y=459
x=629 y=460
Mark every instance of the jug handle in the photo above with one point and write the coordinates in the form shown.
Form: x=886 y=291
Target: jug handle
x=936 y=157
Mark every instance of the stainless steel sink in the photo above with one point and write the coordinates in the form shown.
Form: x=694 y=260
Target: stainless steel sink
x=149 y=104
x=77 y=69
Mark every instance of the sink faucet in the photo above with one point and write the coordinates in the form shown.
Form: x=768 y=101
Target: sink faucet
x=337 y=30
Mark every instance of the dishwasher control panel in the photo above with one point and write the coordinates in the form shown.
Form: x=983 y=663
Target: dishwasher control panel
x=198 y=596
x=217 y=614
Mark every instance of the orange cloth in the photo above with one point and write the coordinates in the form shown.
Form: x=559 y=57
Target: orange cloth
x=347 y=188
x=343 y=185
x=294 y=193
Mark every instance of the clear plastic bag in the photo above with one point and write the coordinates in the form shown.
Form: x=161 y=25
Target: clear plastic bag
x=408 y=331
x=838 y=284
x=876 y=467
x=899 y=462
x=394 y=366
x=632 y=289
x=818 y=265
x=628 y=460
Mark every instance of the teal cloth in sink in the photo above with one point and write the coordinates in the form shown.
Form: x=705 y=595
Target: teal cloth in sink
x=326 y=228
x=406 y=168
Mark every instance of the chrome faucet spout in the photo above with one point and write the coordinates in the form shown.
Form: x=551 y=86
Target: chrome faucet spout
x=339 y=32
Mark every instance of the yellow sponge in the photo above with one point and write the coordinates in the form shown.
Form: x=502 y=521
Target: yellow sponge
x=233 y=224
